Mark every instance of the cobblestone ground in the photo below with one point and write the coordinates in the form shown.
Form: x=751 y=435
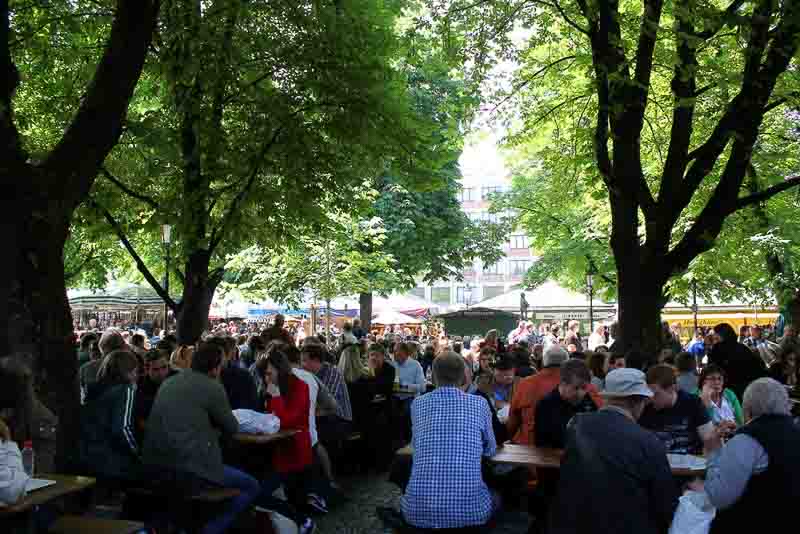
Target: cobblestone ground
x=365 y=493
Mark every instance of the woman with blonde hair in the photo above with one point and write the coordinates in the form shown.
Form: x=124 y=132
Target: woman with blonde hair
x=182 y=357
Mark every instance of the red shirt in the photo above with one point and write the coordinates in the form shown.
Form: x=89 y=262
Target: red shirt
x=293 y=454
x=528 y=393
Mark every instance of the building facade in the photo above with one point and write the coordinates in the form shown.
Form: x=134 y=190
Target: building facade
x=483 y=174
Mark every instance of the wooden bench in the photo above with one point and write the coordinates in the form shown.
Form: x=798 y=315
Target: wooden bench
x=188 y=511
x=216 y=495
x=72 y=524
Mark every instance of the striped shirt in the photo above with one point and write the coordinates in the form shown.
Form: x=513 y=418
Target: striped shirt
x=334 y=381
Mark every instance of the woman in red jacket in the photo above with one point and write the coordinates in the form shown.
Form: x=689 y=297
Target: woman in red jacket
x=288 y=400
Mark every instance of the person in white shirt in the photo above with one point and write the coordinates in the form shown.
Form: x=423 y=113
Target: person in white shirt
x=13 y=478
x=597 y=338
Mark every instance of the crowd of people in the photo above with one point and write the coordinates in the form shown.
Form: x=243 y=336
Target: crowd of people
x=616 y=416
x=164 y=415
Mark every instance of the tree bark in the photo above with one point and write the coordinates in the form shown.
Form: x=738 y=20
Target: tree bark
x=36 y=213
x=198 y=291
x=36 y=321
x=793 y=309
x=365 y=311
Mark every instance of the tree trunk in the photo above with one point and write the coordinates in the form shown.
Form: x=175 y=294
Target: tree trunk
x=365 y=305
x=36 y=322
x=793 y=310
x=198 y=291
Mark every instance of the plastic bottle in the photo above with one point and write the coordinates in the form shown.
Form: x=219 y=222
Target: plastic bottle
x=28 y=458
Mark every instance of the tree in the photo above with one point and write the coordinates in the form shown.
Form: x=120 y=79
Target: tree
x=341 y=257
x=48 y=168
x=429 y=236
x=709 y=74
x=238 y=145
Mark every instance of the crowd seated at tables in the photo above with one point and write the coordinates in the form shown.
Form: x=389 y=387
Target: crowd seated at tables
x=164 y=417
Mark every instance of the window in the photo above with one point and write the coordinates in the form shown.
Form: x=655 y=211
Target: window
x=519 y=267
x=492 y=269
x=519 y=241
x=418 y=292
x=440 y=295
x=466 y=194
x=490 y=190
x=490 y=292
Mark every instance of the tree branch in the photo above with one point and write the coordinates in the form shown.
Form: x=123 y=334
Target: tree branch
x=97 y=125
x=781 y=101
x=125 y=189
x=10 y=145
x=219 y=232
x=725 y=17
x=766 y=194
x=647 y=42
x=132 y=251
x=529 y=80
x=566 y=18
x=683 y=94
x=68 y=276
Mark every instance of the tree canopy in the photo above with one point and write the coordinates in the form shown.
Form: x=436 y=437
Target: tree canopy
x=661 y=105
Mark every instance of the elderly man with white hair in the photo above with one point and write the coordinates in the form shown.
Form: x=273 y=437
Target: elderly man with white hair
x=754 y=480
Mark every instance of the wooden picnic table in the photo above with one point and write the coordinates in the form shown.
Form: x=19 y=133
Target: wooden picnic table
x=64 y=485
x=527 y=456
x=541 y=457
x=19 y=517
x=263 y=439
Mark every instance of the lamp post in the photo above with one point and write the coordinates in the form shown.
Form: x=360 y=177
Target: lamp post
x=590 y=272
x=468 y=294
x=166 y=239
x=694 y=306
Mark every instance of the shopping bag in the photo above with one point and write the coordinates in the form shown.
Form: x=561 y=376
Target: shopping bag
x=694 y=514
x=252 y=422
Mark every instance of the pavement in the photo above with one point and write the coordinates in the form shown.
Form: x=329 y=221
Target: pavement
x=364 y=493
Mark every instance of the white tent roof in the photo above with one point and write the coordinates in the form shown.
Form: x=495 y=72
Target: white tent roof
x=549 y=296
x=393 y=317
x=397 y=302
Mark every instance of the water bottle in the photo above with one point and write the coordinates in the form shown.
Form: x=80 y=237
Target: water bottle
x=28 y=458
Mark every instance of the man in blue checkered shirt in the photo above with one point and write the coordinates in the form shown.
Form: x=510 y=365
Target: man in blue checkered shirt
x=452 y=431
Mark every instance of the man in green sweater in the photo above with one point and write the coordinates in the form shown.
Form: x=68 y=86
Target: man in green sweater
x=181 y=444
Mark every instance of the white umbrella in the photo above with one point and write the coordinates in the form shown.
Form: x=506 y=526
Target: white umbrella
x=392 y=317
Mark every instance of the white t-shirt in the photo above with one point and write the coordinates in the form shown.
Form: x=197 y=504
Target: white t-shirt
x=723 y=412
x=595 y=340
x=313 y=391
x=12 y=476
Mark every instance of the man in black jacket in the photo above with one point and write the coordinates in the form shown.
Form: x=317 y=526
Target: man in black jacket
x=616 y=470
x=558 y=407
x=741 y=365
x=158 y=370
x=238 y=383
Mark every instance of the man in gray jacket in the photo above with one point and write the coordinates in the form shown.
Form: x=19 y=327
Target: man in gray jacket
x=182 y=435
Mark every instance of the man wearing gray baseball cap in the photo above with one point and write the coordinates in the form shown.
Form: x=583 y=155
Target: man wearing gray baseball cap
x=615 y=469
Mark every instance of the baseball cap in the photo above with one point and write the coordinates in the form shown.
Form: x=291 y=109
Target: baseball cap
x=626 y=382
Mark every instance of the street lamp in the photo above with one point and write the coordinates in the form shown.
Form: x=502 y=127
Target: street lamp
x=590 y=272
x=694 y=305
x=166 y=239
x=468 y=294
